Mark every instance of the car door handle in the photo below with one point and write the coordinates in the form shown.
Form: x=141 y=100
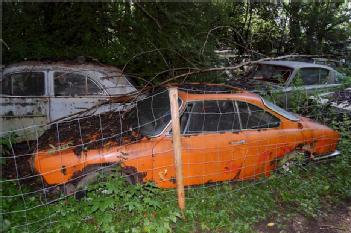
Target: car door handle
x=241 y=142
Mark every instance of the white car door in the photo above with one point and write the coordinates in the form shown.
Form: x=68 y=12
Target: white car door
x=73 y=92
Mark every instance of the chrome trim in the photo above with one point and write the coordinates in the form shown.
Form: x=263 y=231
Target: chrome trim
x=332 y=155
x=293 y=118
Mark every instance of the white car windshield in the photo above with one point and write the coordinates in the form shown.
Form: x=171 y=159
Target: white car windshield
x=280 y=110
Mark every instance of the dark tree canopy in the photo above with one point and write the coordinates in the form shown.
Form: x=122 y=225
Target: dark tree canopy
x=175 y=34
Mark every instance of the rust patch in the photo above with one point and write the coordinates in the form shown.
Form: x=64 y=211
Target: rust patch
x=173 y=180
x=237 y=175
x=110 y=129
x=64 y=170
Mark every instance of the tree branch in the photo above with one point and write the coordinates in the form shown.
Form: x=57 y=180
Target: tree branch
x=148 y=15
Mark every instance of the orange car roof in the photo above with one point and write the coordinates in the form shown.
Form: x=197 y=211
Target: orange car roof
x=202 y=91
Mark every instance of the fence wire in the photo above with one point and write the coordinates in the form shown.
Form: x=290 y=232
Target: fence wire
x=229 y=137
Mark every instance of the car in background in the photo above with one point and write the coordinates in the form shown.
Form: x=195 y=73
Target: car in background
x=285 y=80
x=226 y=134
x=36 y=93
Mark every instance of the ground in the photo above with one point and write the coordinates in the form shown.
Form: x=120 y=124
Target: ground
x=334 y=220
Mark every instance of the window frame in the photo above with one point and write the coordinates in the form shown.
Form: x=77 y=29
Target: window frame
x=185 y=133
x=45 y=94
x=87 y=77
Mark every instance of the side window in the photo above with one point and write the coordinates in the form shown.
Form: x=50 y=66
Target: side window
x=253 y=117
x=312 y=76
x=210 y=116
x=6 y=85
x=24 y=84
x=73 y=84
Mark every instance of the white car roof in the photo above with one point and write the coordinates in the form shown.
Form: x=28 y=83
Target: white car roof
x=295 y=64
x=61 y=65
x=109 y=76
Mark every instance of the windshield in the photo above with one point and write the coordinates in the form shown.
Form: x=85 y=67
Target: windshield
x=280 y=111
x=271 y=73
x=151 y=115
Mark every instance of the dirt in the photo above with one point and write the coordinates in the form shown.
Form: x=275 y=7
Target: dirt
x=334 y=220
x=80 y=134
x=89 y=132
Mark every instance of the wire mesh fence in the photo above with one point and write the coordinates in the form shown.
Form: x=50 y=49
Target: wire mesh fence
x=231 y=140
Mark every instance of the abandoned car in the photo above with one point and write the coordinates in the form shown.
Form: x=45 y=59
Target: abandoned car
x=282 y=80
x=37 y=93
x=226 y=134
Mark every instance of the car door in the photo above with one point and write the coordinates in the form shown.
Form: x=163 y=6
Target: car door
x=264 y=140
x=73 y=92
x=24 y=103
x=212 y=145
x=308 y=82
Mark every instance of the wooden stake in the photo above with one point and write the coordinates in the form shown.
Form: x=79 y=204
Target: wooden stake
x=177 y=146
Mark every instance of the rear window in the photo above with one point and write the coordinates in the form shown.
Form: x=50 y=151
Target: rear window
x=23 y=84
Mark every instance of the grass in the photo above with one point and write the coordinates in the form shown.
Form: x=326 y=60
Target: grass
x=114 y=206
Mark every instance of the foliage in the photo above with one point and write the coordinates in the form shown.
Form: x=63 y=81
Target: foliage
x=5 y=142
x=5 y=145
x=152 y=37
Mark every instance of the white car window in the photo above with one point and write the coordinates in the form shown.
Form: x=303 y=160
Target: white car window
x=23 y=84
x=314 y=76
x=73 y=84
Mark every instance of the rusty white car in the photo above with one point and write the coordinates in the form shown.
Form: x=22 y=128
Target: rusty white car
x=284 y=80
x=37 y=93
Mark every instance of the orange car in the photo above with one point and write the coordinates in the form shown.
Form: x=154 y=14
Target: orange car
x=227 y=134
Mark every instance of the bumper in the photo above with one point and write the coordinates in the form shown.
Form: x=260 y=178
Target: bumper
x=329 y=156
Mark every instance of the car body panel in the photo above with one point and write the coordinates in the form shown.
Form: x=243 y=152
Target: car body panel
x=207 y=157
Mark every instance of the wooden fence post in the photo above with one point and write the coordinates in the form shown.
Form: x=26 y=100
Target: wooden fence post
x=177 y=146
